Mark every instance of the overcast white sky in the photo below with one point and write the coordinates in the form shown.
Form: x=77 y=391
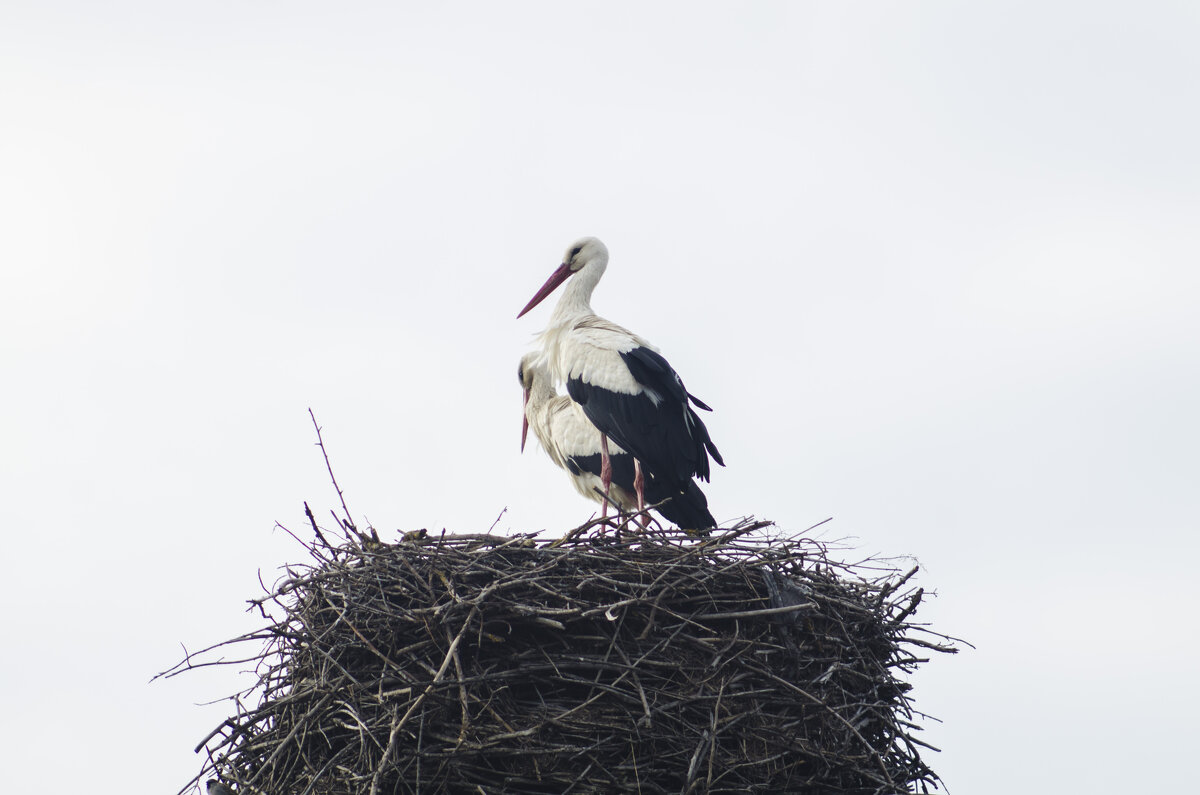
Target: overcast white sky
x=934 y=264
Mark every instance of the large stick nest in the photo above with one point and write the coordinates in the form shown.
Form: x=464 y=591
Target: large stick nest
x=598 y=663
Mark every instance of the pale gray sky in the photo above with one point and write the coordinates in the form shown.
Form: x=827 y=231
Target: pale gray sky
x=934 y=264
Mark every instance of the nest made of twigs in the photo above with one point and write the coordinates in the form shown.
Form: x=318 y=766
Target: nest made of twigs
x=598 y=663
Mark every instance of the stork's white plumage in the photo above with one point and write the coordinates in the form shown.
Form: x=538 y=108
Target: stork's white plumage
x=622 y=383
x=574 y=444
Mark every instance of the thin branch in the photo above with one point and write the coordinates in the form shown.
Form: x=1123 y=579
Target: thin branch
x=329 y=467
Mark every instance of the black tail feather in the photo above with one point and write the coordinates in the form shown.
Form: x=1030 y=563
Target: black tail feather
x=687 y=509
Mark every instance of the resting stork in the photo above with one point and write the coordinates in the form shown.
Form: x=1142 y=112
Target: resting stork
x=573 y=443
x=624 y=385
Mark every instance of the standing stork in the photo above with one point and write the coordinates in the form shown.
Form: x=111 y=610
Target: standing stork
x=574 y=444
x=622 y=383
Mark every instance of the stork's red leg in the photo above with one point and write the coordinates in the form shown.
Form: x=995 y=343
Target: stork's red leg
x=605 y=473
x=639 y=484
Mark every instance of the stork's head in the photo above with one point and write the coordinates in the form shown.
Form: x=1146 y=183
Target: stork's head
x=587 y=252
x=535 y=382
x=584 y=251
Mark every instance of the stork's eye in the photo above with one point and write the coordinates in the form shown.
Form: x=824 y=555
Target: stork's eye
x=575 y=253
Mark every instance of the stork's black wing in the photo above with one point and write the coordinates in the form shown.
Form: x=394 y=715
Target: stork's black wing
x=657 y=425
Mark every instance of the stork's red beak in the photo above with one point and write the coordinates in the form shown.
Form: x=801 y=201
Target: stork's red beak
x=558 y=277
x=524 y=420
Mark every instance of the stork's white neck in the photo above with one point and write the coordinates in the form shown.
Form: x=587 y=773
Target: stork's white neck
x=538 y=410
x=576 y=300
x=574 y=305
x=541 y=392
